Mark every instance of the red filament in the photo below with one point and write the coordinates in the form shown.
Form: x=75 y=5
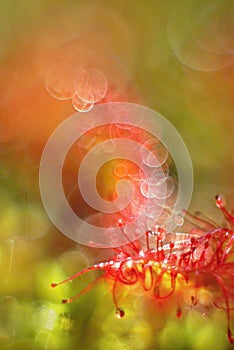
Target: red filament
x=200 y=258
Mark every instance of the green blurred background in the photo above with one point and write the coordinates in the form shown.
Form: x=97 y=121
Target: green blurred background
x=173 y=56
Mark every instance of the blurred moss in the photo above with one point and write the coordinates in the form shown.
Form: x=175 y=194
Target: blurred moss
x=200 y=106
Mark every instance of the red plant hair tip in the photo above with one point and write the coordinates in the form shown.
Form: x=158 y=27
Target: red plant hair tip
x=54 y=285
x=120 y=223
x=120 y=313
x=65 y=301
x=179 y=313
x=220 y=203
x=230 y=336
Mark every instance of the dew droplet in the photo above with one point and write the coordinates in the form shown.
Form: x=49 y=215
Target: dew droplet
x=119 y=312
x=220 y=201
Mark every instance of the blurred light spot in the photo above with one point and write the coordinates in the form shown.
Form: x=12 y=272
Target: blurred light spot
x=91 y=85
x=60 y=81
x=120 y=170
x=81 y=105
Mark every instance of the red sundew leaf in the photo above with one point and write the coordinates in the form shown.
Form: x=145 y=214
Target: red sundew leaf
x=202 y=258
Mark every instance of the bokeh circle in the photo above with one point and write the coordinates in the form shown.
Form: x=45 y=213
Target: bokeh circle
x=154 y=182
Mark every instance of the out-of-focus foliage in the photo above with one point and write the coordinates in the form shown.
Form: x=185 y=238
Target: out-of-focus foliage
x=32 y=252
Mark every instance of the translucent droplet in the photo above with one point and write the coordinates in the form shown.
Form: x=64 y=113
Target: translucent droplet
x=220 y=201
x=60 y=80
x=91 y=85
x=119 y=312
x=80 y=105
